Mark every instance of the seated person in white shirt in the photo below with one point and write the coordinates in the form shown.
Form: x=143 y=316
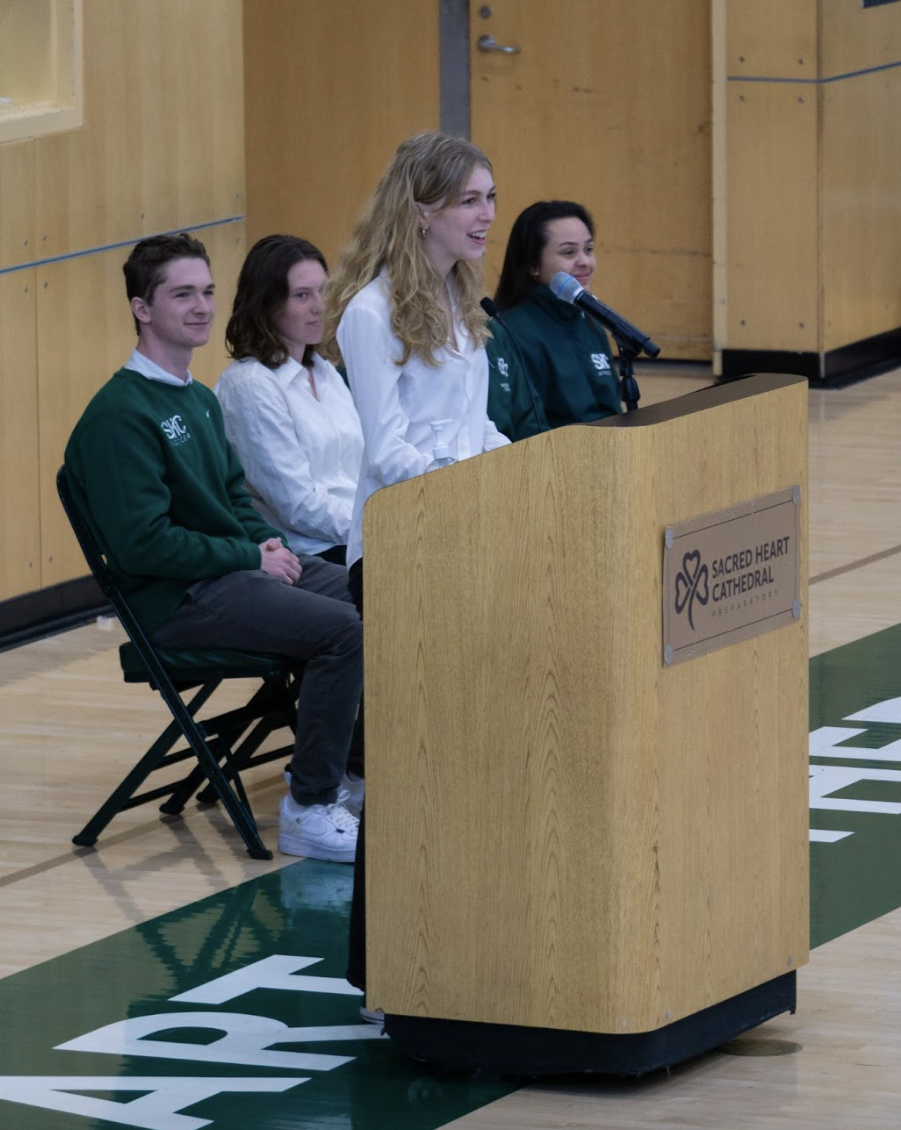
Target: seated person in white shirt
x=288 y=413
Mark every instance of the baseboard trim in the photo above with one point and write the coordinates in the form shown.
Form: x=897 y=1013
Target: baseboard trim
x=836 y=368
x=50 y=610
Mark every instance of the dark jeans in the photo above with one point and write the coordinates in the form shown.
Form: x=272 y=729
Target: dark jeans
x=313 y=620
x=356 y=939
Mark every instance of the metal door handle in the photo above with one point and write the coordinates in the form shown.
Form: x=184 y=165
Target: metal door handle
x=487 y=43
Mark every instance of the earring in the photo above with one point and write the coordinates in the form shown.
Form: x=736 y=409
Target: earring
x=423 y=228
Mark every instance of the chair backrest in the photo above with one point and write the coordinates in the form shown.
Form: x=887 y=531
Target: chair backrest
x=76 y=508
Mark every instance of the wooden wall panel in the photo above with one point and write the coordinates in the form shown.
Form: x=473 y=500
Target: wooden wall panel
x=854 y=38
x=771 y=39
x=162 y=148
x=765 y=170
x=17 y=220
x=772 y=225
x=86 y=333
x=162 y=145
x=808 y=213
x=226 y=246
x=861 y=171
x=19 y=492
x=331 y=90
x=861 y=205
x=581 y=114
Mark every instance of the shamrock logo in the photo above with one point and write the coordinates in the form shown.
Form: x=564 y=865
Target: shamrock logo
x=691 y=584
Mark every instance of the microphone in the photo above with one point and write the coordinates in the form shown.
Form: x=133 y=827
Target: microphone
x=627 y=336
x=490 y=308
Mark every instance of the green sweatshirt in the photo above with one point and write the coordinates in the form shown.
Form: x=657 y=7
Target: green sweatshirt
x=509 y=404
x=568 y=357
x=164 y=489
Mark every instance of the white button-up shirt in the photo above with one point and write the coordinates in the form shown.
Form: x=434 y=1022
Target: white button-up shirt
x=398 y=405
x=301 y=455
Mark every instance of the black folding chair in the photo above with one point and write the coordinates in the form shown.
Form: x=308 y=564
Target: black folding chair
x=220 y=747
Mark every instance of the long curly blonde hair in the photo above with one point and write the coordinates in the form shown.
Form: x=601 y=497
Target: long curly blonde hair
x=427 y=168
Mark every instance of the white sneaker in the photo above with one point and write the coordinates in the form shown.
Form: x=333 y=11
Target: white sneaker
x=317 y=831
x=372 y=1015
x=350 y=794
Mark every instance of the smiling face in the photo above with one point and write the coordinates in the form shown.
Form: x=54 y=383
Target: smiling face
x=457 y=230
x=569 y=246
x=299 y=320
x=178 y=316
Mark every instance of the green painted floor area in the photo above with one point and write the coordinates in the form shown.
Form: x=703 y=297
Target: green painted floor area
x=857 y=879
x=300 y=910
x=284 y=1046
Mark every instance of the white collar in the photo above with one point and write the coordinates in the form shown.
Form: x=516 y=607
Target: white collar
x=287 y=371
x=141 y=363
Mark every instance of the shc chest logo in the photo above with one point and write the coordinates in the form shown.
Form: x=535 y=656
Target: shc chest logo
x=503 y=369
x=174 y=430
x=601 y=362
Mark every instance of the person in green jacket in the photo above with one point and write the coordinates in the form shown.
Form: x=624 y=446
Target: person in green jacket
x=566 y=354
x=198 y=563
x=515 y=410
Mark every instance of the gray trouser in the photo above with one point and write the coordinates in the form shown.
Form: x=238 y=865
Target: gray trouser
x=313 y=620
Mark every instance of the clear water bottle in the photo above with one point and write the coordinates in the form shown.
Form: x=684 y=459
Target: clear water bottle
x=441 y=450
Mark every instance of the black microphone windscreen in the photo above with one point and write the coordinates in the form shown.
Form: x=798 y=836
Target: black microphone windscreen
x=489 y=306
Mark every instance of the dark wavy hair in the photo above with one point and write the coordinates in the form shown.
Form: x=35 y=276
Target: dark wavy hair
x=262 y=289
x=528 y=238
x=146 y=265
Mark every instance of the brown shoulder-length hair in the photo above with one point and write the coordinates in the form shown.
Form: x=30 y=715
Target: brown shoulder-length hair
x=262 y=289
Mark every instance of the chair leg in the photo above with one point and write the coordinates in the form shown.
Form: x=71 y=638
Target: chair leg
x=119 y=798
x=238 y=809
x=273 y=707
x=208 y=768
x=220 y=742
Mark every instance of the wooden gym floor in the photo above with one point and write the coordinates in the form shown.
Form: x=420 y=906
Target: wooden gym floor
x=69 y=728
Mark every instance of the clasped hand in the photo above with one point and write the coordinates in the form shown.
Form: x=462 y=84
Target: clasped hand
x=277 y=560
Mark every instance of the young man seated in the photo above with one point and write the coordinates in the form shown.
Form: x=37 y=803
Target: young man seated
x=198 y=564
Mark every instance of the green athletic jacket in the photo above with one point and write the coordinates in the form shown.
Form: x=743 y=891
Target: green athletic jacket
x=509 y=404
x=164 y=489
x=568 y=357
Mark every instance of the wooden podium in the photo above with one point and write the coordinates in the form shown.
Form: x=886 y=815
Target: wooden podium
x=578 y=856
